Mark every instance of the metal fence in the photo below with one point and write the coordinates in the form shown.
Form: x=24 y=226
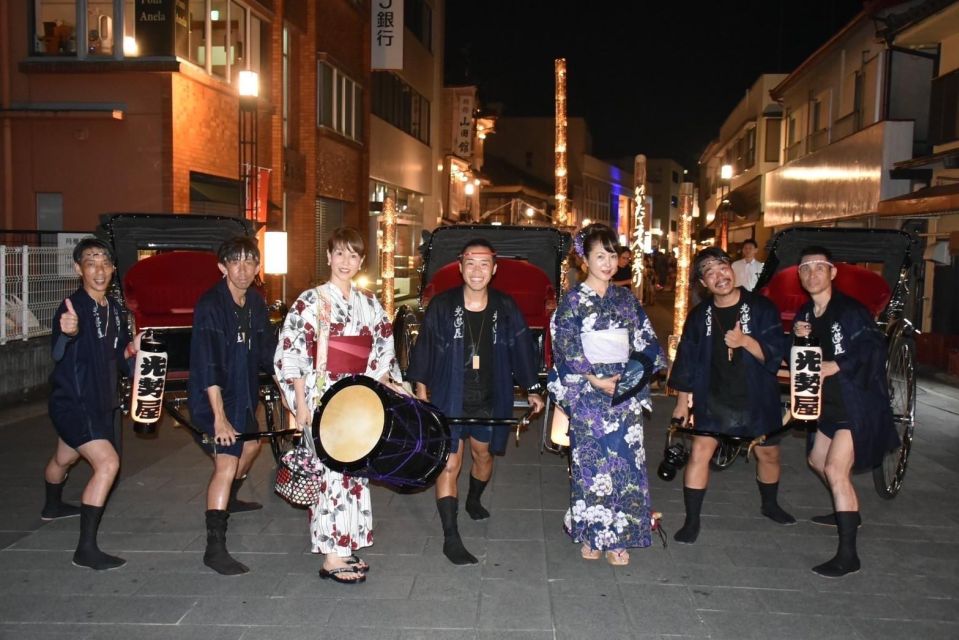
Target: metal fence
x=33 y=283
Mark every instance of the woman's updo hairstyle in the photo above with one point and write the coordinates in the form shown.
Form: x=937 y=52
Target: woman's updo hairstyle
x=596 y=233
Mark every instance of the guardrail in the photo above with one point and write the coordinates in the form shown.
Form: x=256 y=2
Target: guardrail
x=33 y=283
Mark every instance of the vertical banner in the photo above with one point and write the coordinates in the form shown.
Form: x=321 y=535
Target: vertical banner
x=257 y=193
x=463 y=127
x=386 y=38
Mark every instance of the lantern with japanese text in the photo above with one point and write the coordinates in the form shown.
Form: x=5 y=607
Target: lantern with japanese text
x=805 y=378
x=149 y=380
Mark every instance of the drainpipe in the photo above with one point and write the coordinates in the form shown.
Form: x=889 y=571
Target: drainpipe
x=7 y=134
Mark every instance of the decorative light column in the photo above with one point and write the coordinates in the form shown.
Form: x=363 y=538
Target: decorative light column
x=681 y=304
x=561 y=168
x=389 y=250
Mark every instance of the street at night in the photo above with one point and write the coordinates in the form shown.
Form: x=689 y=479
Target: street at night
x=605 y=320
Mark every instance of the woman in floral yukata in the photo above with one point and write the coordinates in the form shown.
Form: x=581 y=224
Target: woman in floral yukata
x=596 y=329
x=342 y=521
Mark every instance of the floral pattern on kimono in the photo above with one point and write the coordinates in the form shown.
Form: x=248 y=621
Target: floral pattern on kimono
x=609 y=502
x=342 y=521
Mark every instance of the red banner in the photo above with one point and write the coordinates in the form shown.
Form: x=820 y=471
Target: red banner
x=258 y=197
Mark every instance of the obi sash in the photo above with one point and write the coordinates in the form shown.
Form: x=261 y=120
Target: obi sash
x=348 y=354
x=609 y=346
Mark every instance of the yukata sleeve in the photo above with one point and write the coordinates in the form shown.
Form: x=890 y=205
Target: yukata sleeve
x=644 y=338
x=382 y=362
x=681 y=375
x=208 y=351
x=567 y=343
x=296 y=348
x=860 y=342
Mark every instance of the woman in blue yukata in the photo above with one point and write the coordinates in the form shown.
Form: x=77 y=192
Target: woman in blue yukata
x=596 y=331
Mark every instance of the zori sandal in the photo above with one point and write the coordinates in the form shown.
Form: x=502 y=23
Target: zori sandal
x=357 y=563
x=335 y=575
x=589 y=553
x=618 y=557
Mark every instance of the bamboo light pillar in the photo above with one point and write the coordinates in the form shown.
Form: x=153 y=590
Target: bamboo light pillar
x=562 y=207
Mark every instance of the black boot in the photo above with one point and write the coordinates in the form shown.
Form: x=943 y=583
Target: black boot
x=693 y=498
x=825 y=520
x=54 y=507
x=452 y=543
x=216 y=556
x=473 y=506
x=770 y=505
x=239 y=506
x=845 y=561
x=88 y=554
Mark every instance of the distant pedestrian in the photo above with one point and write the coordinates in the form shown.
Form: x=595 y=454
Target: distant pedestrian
x=91 y=344
x=748 y=268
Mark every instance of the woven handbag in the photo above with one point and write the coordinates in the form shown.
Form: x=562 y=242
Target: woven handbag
x=297 y=477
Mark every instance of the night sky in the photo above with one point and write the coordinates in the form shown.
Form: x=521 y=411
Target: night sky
x=654 y=78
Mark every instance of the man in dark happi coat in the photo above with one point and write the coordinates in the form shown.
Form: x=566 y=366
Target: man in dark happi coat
x=855 y=427
x=731 y=348
x=232 y=342
x=90 y=343
x=472 y=343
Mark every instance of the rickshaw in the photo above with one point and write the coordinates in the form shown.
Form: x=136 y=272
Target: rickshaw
x=164 y=263
x=882 y=269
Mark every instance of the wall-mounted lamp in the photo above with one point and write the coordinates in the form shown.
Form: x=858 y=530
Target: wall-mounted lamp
x=274 y=248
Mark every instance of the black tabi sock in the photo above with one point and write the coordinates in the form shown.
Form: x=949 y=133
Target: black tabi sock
x=846 y=560
x=453 y=547
x=693 y=499
x=770 y=505
x=216 y=556
x=88 y=554
x=473 y=506
x=54 y=507
x=239 y=506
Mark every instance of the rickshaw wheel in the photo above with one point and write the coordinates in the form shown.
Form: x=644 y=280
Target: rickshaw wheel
x=901 y=378
x=725 y=456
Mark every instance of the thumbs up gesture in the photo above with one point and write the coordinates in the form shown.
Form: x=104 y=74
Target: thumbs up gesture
x=69 y=321
x=735 y=337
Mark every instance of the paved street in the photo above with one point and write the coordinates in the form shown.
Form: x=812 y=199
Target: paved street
x=745 y=578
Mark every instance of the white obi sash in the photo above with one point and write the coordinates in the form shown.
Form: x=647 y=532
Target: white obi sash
x=608 y=346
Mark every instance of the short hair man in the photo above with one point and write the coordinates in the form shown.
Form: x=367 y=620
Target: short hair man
x=472 y=342
x=748 y=268
x=855 y=427
x=624 y=271
x=90 y=344
x=728 y=356
x=232 y=341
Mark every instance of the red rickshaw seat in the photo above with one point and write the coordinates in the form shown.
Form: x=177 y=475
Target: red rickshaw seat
x=162 y=290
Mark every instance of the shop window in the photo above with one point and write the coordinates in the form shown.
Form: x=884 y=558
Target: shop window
x=55 y=27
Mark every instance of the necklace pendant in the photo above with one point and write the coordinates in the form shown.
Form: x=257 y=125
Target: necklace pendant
x=476 y=363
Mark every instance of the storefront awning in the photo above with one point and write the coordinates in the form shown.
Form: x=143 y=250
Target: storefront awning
x=929 y=201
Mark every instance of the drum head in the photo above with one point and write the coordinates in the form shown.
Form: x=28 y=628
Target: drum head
x=351 y=423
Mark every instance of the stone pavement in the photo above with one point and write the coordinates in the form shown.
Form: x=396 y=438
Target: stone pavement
x=745 y=578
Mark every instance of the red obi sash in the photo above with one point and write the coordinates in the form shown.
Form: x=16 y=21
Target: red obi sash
x=348 y=354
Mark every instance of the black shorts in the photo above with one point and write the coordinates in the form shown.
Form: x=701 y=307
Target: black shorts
x=234 y=449
x=479 y=432
x=828 y=427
